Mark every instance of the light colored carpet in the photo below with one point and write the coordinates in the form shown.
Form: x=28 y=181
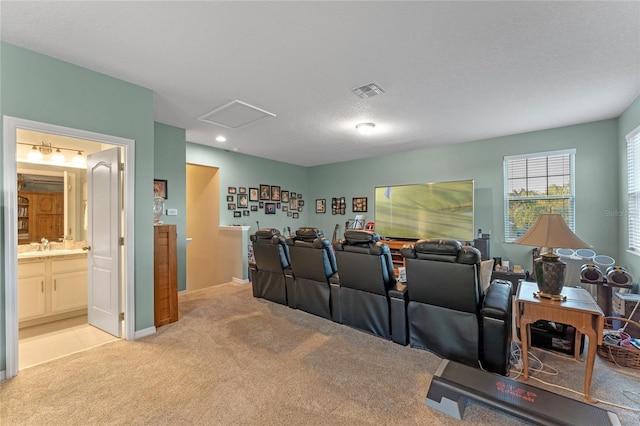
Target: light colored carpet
x=234 y=359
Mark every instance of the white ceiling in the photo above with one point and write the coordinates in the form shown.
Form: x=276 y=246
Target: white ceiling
x=453 y=71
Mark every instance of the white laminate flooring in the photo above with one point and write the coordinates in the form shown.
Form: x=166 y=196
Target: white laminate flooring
x=46 y=342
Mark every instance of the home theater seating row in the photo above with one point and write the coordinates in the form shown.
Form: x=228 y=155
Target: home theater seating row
x=441 y=308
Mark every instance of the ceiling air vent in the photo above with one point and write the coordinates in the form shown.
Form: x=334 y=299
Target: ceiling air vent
x=235 y=115
x=368 y=90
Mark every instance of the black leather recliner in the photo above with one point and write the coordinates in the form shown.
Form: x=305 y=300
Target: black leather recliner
x=371 y=299
x=271 y=269
x=448 y=313
x=313 y=264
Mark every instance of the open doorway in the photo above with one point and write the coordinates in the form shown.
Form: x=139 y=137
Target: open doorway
x=43 y=278
x=203 y=215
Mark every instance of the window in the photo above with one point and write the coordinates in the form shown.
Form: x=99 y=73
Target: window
x=538 y=183
x=633 y=189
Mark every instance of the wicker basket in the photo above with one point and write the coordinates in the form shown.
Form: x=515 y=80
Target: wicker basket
x=620 y=355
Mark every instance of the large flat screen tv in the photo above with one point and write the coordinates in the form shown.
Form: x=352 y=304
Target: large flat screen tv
x=426 y=210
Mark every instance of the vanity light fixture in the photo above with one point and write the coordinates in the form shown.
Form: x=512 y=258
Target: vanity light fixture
x=365 y=128
x=58 y=156
x=79 y=160
x=34 y=154
x=37 y=154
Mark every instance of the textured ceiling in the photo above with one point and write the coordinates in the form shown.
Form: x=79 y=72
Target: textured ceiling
x=452 y=71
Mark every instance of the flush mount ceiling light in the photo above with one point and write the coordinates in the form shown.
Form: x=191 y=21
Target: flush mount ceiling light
x=365 y=128
x=221 y=139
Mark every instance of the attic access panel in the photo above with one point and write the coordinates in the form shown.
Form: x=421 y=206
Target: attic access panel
x=235 y=115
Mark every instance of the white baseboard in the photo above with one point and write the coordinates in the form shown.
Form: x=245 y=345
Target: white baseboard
x=240 y=281
x=144 y=333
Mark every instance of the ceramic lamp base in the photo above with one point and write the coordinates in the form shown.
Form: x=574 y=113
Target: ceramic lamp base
x=550 y=273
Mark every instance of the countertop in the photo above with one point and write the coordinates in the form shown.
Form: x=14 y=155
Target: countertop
x=46 y=254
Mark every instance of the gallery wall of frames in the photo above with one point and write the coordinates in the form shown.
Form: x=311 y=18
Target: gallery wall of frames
x=271 y=199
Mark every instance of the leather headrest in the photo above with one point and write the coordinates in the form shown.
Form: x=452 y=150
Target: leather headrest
x=438 y=247
x=469 y=255
x=267 y=233
x=360 y=236
x=309 y=233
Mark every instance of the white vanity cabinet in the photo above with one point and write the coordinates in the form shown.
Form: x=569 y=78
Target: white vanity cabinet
x=69 y=284
x=31 y=290
x=51 y=288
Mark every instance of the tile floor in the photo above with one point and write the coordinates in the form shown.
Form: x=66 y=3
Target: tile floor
x=46 y=342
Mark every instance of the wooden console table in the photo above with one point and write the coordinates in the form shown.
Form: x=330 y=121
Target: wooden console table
x=579 y=310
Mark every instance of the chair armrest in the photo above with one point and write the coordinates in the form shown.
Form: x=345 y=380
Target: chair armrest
x=336 y=306
x=497 y=300
x=496 y=327
x=398 y=301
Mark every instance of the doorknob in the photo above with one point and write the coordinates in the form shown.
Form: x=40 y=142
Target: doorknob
x=86 y=248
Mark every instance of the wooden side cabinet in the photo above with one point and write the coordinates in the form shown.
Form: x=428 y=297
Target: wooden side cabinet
x=165 y=275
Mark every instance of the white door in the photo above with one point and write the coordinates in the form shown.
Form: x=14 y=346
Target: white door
x=103 y=237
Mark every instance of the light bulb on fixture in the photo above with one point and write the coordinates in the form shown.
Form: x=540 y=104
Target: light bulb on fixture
x=79 y=160
x=58 y=156
x=365 y=128
x=34 y=154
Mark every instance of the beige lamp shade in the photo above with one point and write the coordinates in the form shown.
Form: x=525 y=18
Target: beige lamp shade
x=550 y=230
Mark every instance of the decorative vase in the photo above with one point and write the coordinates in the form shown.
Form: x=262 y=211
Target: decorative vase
x=158 y=209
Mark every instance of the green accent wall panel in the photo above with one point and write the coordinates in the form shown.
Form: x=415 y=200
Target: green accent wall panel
x=170 y=165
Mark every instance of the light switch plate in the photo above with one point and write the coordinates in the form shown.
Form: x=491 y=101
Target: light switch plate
x=172 y=212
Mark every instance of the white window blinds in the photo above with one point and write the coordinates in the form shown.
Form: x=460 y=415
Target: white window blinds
x=535 y=184
x=633 y=189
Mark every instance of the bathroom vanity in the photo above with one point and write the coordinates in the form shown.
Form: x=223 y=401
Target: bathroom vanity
x=52 y=285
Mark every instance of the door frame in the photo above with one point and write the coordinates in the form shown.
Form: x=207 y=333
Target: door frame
x=11 y=124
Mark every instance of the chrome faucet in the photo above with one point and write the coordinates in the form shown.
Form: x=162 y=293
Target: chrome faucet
x=45 y=244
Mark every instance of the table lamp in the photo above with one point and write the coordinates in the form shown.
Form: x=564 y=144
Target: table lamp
x=549 y=231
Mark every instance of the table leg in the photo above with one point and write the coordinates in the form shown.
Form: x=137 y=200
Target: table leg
x=524 y=339
x=576 y=345
x=591 y=357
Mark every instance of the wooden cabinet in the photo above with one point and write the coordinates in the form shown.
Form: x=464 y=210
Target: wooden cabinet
x=25 y=217
x=395 y=246
x=40 y=215
x=51 y=289
x=165 y=275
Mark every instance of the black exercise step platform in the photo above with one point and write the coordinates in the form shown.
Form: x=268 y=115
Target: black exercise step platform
x=454 y=383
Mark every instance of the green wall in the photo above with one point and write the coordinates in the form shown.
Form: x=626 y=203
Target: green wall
x=238 y=170
x=40 y=88
x=482 y=161
x=627 y=122
x=170 y=165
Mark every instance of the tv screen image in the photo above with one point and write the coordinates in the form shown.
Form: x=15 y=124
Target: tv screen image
x=428 y=210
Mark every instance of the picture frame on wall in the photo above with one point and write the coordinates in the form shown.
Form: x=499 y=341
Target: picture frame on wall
x=237 y=214
x=285 y=196
x=343 y=205
x=245 y=213
x=229 y=198
x=285 y=208
x=261 y=204
x=292 y=195
x=254 y=208
x=269 y=208
x=243 y=201
x=242 y=190
x=300 y=203
x=296 y=215
x=293 y=204
x=265 y=192
x=275 y=193
x=253 y=194
x=359 y=205
x=160 y=188
x=231 y=206
x=321 y=205
x=232 y=190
